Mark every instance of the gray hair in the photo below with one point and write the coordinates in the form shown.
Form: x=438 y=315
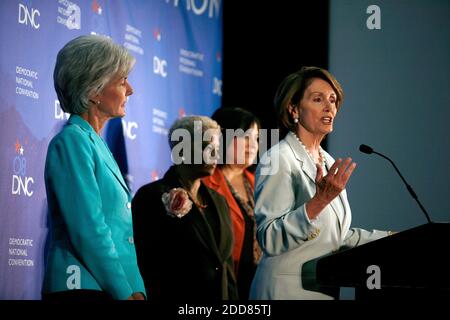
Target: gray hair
x=188 y=123
x=84 y=66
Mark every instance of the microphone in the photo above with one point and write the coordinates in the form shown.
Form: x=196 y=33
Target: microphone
x=365 y=149
x=368 y=150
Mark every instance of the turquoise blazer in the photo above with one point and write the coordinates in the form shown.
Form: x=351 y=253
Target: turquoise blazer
x=92 y=244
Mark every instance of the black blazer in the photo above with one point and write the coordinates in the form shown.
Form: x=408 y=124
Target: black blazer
x=179 y=259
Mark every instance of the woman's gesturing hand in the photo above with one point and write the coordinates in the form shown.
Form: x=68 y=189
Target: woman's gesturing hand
x=330 y=186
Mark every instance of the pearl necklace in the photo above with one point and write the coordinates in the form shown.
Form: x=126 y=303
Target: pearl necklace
x=323 y=164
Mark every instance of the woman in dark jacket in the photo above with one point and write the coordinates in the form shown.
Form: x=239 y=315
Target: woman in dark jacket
x=182 y=228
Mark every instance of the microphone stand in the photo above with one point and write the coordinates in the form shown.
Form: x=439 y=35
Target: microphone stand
x=410 y=189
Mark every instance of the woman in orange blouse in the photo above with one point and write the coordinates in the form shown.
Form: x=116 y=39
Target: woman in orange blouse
x=235 y=182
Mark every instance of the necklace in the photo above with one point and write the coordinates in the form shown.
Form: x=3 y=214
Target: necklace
x=248 y=205
x=321 y=155
x=197 y=203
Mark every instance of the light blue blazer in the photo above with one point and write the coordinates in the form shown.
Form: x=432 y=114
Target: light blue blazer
x=89 y=203
x=285 y=181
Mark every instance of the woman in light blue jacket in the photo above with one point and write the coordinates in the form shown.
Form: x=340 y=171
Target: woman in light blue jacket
x=301 y=206
x=92 y=253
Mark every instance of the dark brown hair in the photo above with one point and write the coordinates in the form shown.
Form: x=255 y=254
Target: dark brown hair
x=234 y=118
x=292 y=88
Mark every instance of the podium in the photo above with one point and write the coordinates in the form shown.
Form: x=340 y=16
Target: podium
x=412 y=263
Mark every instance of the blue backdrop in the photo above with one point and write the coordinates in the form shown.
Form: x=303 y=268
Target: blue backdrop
x=393 y=62
x=178 y=48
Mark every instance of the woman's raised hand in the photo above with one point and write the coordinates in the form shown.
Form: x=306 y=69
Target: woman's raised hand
x=330 y=186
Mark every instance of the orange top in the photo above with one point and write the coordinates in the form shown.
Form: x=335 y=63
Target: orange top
x=218 y=183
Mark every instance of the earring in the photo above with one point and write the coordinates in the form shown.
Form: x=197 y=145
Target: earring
x=295 y=120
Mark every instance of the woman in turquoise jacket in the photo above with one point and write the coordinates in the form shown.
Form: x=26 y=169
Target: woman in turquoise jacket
x=92 y=253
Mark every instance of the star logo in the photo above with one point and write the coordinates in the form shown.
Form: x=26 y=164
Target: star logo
x=154 y=175
x=18 y=146
x=157 y=34
x=181 y=113
x=96 y=7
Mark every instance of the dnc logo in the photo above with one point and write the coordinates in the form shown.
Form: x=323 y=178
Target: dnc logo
x=21 y=183
x=160 y=66
x=28 y=16
x=129 y=128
